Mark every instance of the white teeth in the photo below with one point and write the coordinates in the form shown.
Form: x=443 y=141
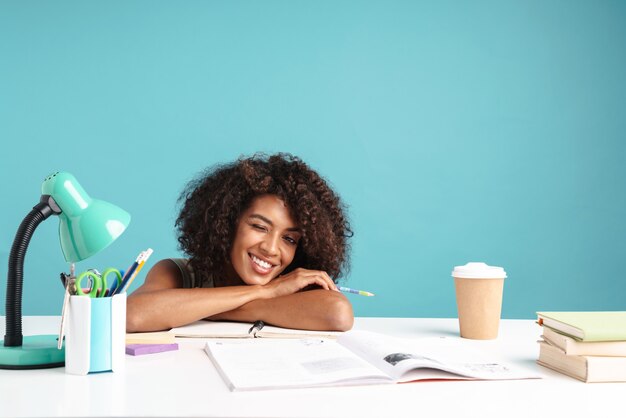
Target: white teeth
x=260 y=262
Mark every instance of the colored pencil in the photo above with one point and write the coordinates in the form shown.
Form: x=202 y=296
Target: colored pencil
x=355 y=291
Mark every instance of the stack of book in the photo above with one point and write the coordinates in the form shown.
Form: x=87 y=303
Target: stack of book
x=590 y=346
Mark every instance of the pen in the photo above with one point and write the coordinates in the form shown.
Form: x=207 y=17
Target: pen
x=355 y=291
x=126 y=277
x=256 y=327
x=144 y=257
x=133 y=270
x=132 y=277
x=116 y=284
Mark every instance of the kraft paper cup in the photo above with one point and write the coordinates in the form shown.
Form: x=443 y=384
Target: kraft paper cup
x=479 y=299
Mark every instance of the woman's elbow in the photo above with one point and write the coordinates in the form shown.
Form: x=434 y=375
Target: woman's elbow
x=137 y=318
x=133 y=321
x=341 y=316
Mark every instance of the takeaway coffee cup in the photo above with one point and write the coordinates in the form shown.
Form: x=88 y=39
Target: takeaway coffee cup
x=479 y=299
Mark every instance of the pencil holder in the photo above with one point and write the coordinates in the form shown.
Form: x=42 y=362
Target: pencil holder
x=96 y=330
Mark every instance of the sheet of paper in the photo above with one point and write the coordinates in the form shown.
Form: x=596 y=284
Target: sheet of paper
x=211 y=329
x=269 y=331
x=405 y=359
x=224 y=329
x=267 y=364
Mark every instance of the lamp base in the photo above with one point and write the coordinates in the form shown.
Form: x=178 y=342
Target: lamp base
x=36 y=352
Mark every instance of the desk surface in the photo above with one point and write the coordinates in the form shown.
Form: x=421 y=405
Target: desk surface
x=185 y=383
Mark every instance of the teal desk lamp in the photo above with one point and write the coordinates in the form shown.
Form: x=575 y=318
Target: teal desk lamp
x=86 y=227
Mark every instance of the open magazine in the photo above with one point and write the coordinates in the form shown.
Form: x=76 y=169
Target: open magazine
x=354 y=358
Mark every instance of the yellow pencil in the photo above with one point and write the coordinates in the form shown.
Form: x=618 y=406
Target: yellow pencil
x=141 y=260
x=134 y=274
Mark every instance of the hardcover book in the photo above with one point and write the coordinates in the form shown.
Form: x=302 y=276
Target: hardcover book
x=587 y=326
x=589 y=369
x=593 y=348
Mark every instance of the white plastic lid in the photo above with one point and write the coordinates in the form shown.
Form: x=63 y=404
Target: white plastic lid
x=476 y=270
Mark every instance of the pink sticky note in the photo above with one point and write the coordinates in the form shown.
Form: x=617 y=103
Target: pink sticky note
x=141 y=349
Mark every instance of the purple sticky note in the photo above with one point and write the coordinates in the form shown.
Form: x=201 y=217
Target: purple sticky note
x=141 y=349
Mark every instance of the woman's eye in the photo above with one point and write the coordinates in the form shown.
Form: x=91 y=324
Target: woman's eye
x=291 y=240
x=259 y=227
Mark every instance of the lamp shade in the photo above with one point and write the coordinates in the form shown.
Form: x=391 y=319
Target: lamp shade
x=86 y=225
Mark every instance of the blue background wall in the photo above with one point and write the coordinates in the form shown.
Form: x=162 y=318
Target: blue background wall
x=455 y=131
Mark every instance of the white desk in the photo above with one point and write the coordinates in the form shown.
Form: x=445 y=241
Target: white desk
x=185 y=383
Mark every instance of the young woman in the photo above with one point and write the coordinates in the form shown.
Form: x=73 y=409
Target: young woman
x=266 y=239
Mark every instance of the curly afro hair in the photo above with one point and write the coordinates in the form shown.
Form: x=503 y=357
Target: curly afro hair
x=213 y=203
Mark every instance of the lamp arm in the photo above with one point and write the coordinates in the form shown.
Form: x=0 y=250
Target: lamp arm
x=15 y=276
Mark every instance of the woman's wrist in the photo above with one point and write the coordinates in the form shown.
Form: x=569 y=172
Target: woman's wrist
x=261 y=292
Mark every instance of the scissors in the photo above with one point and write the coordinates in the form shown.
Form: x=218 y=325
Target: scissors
x=98 y=286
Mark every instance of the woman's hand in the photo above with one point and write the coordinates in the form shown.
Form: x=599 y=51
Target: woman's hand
x=298 y=280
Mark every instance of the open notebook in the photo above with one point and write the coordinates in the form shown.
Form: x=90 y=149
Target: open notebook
x=355 y=358
x=212 y=329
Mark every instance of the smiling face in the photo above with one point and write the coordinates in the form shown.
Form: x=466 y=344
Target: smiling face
x=265 y=242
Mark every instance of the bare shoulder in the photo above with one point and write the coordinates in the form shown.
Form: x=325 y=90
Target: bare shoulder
x=163 y=275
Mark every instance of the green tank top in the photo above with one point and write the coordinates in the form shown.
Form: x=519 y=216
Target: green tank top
x=188 y=275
